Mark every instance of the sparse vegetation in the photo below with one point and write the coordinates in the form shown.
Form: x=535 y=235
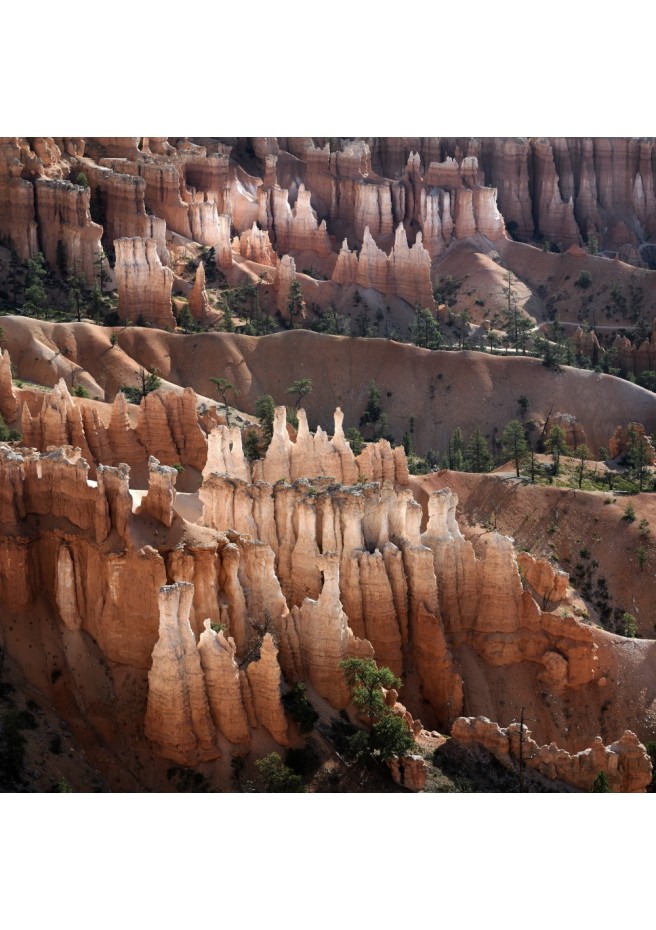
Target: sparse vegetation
x=277 y=778
x=223 y=388
x=299 y=708
x=147 y=382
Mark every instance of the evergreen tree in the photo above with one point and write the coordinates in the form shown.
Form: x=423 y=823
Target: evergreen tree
x=373 y=417
x=516 y=325
x=223 y=388
x=76 y=292
x=147 y=381
x=456 y=450
x=276 y=777
x=60 y=259
x=295 y=302
x=477 y=455
x=389 y=734
x=557 y=446
x=35 y=298
x=354 y=438
x=14 y=265
x=265 y=410
x=301 y=387
x=514 y=443
x=582 y=453
x=601 y=783
x=425 y=331
x=103 y=277
x=637 y=454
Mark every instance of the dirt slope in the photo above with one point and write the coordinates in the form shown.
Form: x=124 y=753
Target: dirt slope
x=439 y=390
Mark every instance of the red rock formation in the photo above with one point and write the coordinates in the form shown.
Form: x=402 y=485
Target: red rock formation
x=221 y=672
x=63 y=216
x=177 y=715
x=167 y=428
x=198 y=302
x=160 y=499
x=255 y=246
x=264 y=678
x=295 y=229
x=625 y=763
x=555 y=216
x=409 y=771
x=619 y=442
x=8 y=403
x=547 y=584
x=405 y=272
x=17 y=218
x=144 y=284
x=285 y=277
x=316 y=637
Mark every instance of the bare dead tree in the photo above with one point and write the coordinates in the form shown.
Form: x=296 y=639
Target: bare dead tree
x=257 y=630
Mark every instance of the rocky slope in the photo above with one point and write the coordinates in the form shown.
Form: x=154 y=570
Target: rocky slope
x=164 y=594
x=189 y=633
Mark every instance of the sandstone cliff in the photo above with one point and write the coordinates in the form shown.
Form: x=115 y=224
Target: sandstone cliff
x=144 y=284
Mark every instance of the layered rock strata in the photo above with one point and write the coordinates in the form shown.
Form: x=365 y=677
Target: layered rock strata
x=144 y=284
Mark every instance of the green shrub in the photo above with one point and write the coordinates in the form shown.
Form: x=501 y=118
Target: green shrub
x=299 y=708
x=276 y=777
x=630 y=625
x=355 y=440
x=629 y=513
x=584 y=280
x=601 y=783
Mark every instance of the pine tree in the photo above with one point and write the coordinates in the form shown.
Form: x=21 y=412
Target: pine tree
x=477 y=454
x=514 y=443
x=295 y=302
x=557 y=446
x=301 y=387
x=265 y=409
x=456 y=450
x=223 y=388
x=373 y=417
x=516 y=325
x=637 y=454
x=425 y=331
x=582 y=453
x=36 y=299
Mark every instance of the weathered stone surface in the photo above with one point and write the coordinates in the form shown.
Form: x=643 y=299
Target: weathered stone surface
x=405 y=272
x=198 y=302
x=9 y=408
x=625 y=763
x=319 y=637
x=63 y=217
x=160 y=500
x=144 y=284
x=178 y=719
x=264 y=678
x=221 y=672
x=409 y=771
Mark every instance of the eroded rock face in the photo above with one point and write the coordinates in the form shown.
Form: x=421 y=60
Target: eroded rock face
x=167 y=428
x=177 y=715
x=405 y=272
x=218 y=661
x=626 y=763
x=144 y=284
x=264 y=678
x=65 y=223
x=316 y=637
x=409 y=771
x=621 y=439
